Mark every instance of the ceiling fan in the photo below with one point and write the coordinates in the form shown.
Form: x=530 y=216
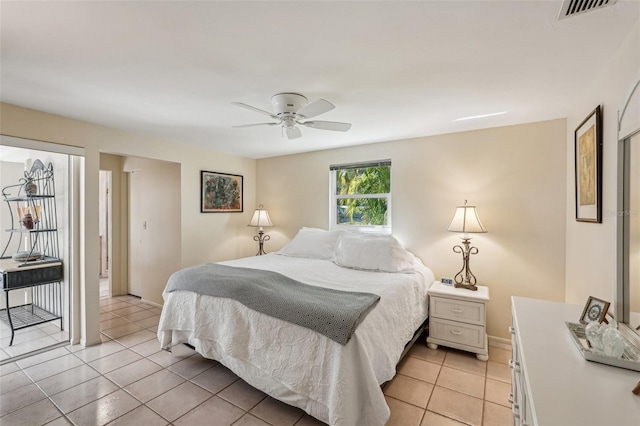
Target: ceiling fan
x=293 y=109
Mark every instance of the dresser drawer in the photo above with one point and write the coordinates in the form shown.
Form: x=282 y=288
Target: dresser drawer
x=31 y=277
x=457 y=310
x=457 y=332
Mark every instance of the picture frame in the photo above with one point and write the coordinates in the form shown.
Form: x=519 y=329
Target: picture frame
x=588 y=168
x=221 y=192
x=594 y=310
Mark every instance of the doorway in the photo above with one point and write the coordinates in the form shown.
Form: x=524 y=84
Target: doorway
x=104 y=236
x=142 y=225
x=38 y=317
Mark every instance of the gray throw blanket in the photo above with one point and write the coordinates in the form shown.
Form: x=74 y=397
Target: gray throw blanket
x=334 y=313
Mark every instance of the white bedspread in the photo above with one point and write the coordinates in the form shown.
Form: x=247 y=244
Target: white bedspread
x=337 y=384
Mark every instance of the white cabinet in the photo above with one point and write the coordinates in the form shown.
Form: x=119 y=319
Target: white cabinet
x=520 y=404
x=552 y=384
x=457 y=319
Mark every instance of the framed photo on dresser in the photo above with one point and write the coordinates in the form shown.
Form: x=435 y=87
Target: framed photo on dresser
x=594 y=310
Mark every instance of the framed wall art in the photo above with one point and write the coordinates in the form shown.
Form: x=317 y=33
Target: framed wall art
x=588 y=164
x=594 y=310
x=220 y=192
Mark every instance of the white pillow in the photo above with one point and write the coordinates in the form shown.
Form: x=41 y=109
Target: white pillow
x=313 y=243
x=374 y=253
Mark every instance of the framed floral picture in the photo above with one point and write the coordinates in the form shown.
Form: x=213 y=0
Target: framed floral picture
x=588 y=162
x=594 y=310
x=220 y=192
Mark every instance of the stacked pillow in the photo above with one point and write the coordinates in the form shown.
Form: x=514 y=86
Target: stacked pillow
x=313 y=243
x=370 y=252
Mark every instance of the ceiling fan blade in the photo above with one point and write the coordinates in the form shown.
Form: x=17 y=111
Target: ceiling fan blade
x=315 y=108
x=261 y=111
x=293 y=132
x=328 y=125
x=257 y=124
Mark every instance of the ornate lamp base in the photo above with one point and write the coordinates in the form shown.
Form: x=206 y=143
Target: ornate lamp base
x=261 y=238
x=464 y=278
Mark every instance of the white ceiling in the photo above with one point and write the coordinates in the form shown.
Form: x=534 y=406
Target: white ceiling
x=394 y=69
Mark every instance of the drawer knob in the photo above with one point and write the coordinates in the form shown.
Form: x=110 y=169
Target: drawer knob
x=456 y=310
x=456 y=332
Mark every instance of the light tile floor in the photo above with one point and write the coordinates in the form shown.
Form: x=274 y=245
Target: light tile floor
x=30 y=339
x=128 y=380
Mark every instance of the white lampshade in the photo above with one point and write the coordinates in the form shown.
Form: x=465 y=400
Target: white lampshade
x=260 y=217
x=466 y=220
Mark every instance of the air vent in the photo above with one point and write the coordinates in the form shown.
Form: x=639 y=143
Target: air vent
x=575 y=7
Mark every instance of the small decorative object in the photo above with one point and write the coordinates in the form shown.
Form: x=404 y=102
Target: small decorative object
x=260 y=219
x=594 y=333
x=30 y=187
x=612 y=341
x=615 y=349
x=594 y=310
x=220 y=192
x=588 y=164
x=27 y=221
x=34 y=211
x=465 y=220
x=27 y=256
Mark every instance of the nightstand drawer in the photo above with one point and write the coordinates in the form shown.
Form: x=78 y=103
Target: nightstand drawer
x=457 y=310
x=452 y=331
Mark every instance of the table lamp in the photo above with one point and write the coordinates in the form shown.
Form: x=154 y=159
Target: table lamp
x=260 y=219
x=465 y=220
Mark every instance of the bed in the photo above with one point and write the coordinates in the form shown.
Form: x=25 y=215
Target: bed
x=339 y=384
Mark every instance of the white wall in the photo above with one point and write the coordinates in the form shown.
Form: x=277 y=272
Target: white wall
x=205 y=237
x=591 y=248
x=515 y=176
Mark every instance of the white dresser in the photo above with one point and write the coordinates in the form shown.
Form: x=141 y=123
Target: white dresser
x=457 y=319
x=552 y=383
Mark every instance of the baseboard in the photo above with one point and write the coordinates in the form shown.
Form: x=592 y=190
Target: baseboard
x=157 y=305
x=87 y=343
x=499 y=342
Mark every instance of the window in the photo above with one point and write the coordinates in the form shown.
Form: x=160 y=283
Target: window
x=361 y=196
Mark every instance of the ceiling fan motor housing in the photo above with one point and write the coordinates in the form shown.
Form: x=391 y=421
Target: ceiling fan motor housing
x=288 y=103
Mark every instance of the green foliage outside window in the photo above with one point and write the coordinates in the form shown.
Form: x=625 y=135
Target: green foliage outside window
x=367 y=180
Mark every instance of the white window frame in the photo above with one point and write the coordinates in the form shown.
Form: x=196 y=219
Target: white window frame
x=334 y=197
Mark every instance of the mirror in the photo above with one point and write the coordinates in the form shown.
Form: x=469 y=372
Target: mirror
x=633 y=227
x=628 y=306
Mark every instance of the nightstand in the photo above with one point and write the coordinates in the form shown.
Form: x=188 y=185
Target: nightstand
x=457 y=319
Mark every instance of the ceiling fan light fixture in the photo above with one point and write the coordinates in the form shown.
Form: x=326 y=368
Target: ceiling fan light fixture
x=289 y=122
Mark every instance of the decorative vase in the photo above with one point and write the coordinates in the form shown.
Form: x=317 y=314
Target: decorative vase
x=30 y=187
x=27 y=221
